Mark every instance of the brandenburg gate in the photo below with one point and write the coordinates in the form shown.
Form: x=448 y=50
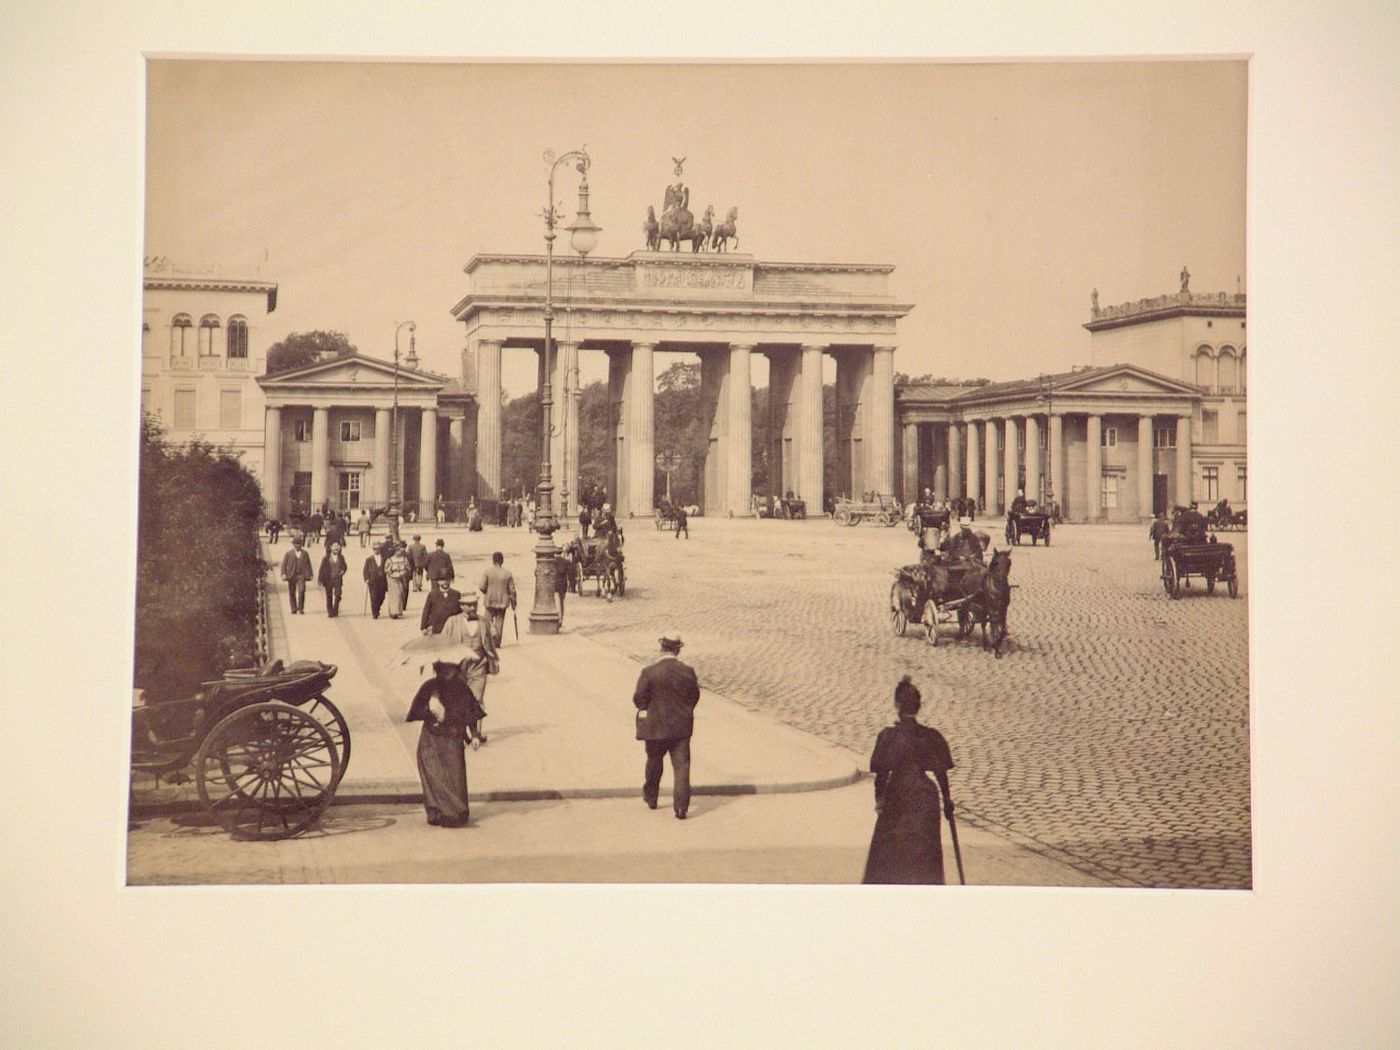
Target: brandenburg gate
x=724 y=307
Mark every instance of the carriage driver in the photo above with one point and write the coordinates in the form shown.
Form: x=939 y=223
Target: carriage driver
x=964 y=545
x=1018 y=505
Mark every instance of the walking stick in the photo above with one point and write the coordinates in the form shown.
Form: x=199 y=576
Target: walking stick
x=516 y=619
x=957 y=852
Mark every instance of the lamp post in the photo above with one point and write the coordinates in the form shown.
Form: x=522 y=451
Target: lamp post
x=1047 y=395
x=583 y=237
x=393 y=511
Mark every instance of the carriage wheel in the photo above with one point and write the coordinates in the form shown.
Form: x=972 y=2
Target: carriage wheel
x=267 y=771
x=1170 y=580
x=898 y=620
x=842 y=516
x=621 y=581
x=1210 y=585
x=1046 y=537
x=1233 y=584
x=930 y=622
x=852 y=520
x=334 y=723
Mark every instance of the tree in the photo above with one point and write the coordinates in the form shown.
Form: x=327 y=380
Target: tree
x=683 y=375
x=302 y=348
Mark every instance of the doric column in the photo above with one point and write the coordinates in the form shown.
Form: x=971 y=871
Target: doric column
x=456 y=458
x=641 y=429
x=990 y=492
x=1185 y=487
x=809 y=430
x=940 y=463
x=1144 y=467
x=272 y=460
x=739 y=451
x=1055 y=449
x=320 y=455
x=955 y=461
x=382 y=422
x=427 y=465
x=1012 y=462
x=909 y=464
x=488 y=417
x=1093 y=471
x=1033 y=490
x=974 y=460
x=879 y=438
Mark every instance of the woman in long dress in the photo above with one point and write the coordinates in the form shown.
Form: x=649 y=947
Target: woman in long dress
x=446 y=707
x=907 y=846
x=469 y=630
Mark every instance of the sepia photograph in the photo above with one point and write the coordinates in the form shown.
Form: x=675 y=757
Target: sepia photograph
x=705 y=472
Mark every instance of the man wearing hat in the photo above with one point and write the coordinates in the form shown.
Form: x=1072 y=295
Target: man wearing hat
x=332 y=578
x=397 y=568
x=296 y=570
x=375 y=580
x=964 y=544
x=469 y=630
x=418 y=558
x=666 y=694
x=443 y=601
x=439 y=565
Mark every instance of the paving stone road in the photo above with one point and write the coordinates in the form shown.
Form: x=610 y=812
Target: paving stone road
x=1113 y=734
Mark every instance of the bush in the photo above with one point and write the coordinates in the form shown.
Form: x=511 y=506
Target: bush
x=197 y=564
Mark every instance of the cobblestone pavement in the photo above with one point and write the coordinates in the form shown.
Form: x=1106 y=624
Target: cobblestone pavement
x=1113 y=735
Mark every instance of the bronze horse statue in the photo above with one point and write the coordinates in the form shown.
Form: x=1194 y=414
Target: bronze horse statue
x=700 y=234
x=723 y=232
x=652 y=230
x=988 y=600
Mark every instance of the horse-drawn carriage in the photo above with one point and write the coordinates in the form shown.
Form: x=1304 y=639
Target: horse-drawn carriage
x=666 y=516
x=934 y=592
x=880 y=508
x=922 y=516
x=1032 y=522
x=268 y=748
x=1212 y=561
x=786 y=507
x=1223 y=517
x=599 y=558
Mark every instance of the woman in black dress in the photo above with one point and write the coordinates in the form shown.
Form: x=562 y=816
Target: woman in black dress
x=907 y=846
x=448 y=709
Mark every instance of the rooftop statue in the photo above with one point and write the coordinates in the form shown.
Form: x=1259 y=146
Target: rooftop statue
x=1185 y=279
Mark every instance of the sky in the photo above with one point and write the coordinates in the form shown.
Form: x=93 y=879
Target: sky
x=1002 y=193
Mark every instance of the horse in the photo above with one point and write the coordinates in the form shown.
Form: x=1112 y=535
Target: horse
x=677 y=224
x=719 y=240
x=700 y=235
x=988 y=602
x=652 y=230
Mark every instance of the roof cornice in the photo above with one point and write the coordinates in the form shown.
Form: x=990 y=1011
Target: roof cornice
x=176 y=282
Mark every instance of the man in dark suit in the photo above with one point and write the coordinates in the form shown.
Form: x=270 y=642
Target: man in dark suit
x=443 y=601
x=296 y=570
x=376 y=581
x=332 y=578
x=666 y=695
x=439 y=565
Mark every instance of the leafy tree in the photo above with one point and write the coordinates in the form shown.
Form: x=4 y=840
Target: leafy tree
x=302 y=348
x=683 y=375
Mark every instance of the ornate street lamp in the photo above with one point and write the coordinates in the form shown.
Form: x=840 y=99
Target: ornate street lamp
x=393 y=511
x=583 y=237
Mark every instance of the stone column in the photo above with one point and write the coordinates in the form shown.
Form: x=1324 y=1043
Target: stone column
x=641 y=429
x=1093 y=472
x=879 y=438
x=1055 y=449
x=974 y=459
x=320 y=455
x=989 y=490
x=1012 y=462
x=1033 y=487
x=566 y=432
x=382 y=422
x=940 y=463
x=809 y=430
x=272 y=460
x=955 y=461
x=1144 y=467
x=456 y=458
x=1185 y=483
x=909 y=463
x=427 y=466
x=488 y=418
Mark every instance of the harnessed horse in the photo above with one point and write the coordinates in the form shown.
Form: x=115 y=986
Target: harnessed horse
x=989 y=598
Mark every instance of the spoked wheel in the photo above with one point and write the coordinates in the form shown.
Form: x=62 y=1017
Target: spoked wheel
x=930 y=622
x=1232 y=583
x=897 y=618
x=1171 y=582
x=1046 y=536
x=842 y=517
x=621 y=581
x=334 y=723
x=267 y=771
x=1210 y=585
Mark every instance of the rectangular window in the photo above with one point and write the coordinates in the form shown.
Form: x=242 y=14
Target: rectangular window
x=349 y=430
x=349 y=491
x=1164 y=437
x=1210 y=478
x=1240 y=483
x=230 y=409
x=1241 y=428
x=1108 y=437
x=1108 y=491
x=301 y=430
x=301 y=491
x=1210 y=428
x=184 y=410
x=1020 y=437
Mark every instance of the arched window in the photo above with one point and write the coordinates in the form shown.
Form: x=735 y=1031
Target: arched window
x=1205 y=369
x=208 y=325
x=237 y=336
x=1243 y=363
x=1228 y=370
x=180 y=326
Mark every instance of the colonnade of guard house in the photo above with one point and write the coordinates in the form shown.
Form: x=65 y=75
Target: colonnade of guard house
x=725 y=308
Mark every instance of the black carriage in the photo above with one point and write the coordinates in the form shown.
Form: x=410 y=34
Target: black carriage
x=666 y=517
x=926 y=516
x=600 y=558
x=931 y=593
x=1212 y=561
x=1032 y=523
x=268 y=748
x=1227 y=519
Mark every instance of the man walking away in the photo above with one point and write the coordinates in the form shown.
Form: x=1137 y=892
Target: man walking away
x=498 y=591
x=439 y=565
x=585 y=519
x=296 y=570
x=682 y=523
x=418 y=561
x=376 y=581
x=665 y=697
x=332 y=578
x=362 y=527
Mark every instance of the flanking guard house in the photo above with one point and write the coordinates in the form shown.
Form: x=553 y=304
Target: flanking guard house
x=1156 y=419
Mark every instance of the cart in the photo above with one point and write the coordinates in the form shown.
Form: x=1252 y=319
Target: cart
x=923 y=516
x=268 y=748
x=600 y=558
x=884 y=510
x=1032 y=523
x=1214 y=562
